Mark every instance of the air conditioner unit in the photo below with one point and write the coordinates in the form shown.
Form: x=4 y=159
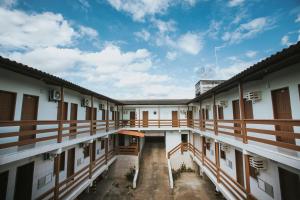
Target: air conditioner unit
x=101 y=106
x=54 y=95
x=225 y=147
x=208 y=140
x=111 y=108
x=258 y=162
x=223 y=103
x=48 y=156
x=253 y=96
x=84 y=102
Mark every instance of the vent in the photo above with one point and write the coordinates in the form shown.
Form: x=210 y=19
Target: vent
x=253 y=96
x=258 y=162
x=225 y=147
x=101 y=106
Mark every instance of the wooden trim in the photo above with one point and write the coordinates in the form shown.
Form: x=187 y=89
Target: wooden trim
x=247 y=173
x=215 y=115
x=92 y=115
x=107 y=116
x=60 y=126
x=242 y=111
x=217 y=157
x=56 y=170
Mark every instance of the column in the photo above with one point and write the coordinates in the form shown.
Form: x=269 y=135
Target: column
x=215 y=115
x=242 y=112
x=56 y=172
x=217 y=158
x=247 y=172
x=61 y=114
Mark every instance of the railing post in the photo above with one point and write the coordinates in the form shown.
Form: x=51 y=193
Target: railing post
x=178 y=115
x=215 y=115
x=117 y=116
x=158 y=117
x=200 y=117
x=217 y=157
x=122 y=116
x=92 y=116
x=242 y=112
x=91 y=158
x=106 y=149
x=247 y=172
x=107 y=116
x=139 y=118
x=203 y=150
x=61 y=114
x=56 y=171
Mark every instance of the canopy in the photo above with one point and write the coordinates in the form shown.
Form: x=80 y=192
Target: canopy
x=132 y=133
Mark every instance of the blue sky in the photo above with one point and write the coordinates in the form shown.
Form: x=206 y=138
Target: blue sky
x=144 y=48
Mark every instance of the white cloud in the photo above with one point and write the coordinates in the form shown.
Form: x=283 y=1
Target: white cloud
x=87 y=31
x=285 y=41
x=143 y=34
x=251 y=54
x=171 y=55
x=138 y=9
x=8 y=3
x=190 y=43
x=22 y=30
x=248 y=30
x=297 y=20
x=233 y=3
x=164 y=26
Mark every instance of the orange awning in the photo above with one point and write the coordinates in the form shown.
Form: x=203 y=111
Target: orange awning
x=132 y=133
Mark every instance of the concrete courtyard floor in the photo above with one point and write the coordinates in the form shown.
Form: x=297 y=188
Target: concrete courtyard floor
x=153 y=182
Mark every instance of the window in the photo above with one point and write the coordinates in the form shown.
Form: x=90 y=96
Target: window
x=62 y=162
x=223 y=154
x=184 y=138
x=220 y=112
x=208 y=146
x=7 y=105
x=102 y=144
x=86 y=152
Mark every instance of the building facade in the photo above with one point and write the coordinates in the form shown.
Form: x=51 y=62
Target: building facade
x=56 y=137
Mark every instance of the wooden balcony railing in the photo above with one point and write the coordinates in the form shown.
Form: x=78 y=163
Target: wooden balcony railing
x=127 y=150
x=238 y=191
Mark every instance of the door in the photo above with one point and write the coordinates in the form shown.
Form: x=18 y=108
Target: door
x=289 y=184
x=29 y=112
x=221 y=112
x=65 y=111
x=74 y=110
x=236 y=115
x=121 y=140
x=94 y=151
x=239 y=167
x=203 y=117
x=174 y=118
x=71 y=162
x=145 y=118
x=3 y=184
x=7 y=105
x=248 y=109
x=94 y=118
x=88 y=113
x=23 y=184
x=132 y=119
x=282 y=110
x=190 y=118
x=103 y=114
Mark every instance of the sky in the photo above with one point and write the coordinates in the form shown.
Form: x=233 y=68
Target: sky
x=145 y=49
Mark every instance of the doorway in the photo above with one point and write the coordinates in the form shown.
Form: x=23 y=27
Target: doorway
x=23 y=184
x=145 y=118
x=29 y=112
x=74 y=110
x=7 y=105
x=71 y=162
x=132 y=119
x=282 y=110
x=239 y=167
x=3 y=184
x=289 y=184
x=175 y=119
x=236 y=115
x=190 y=118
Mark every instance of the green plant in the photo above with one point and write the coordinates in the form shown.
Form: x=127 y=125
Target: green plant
x=183 y=167
x=130 y=175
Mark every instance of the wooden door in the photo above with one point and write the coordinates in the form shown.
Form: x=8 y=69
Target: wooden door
x=236 y=115
x=220 y=112
x=88 y=111
x=7 y=105
x=282 y=110
x=121 y=140
x=3 y=184
x=103 y=114
x=203 y=117
x=174 y=118
x=145 y=118
x=248 y=109
x=29 y=112
x=132 y=119
x=74 y=110
x=289 y=184
x=65 y=111
x=239 y=167
x=71 y=162
x=23 y=184
x=94 y=151
x=94 y=118
x=190 y=118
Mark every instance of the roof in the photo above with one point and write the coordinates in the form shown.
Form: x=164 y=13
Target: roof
x=156 y=102
x=278 y=61
x=48 y=78
x=132 y=133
